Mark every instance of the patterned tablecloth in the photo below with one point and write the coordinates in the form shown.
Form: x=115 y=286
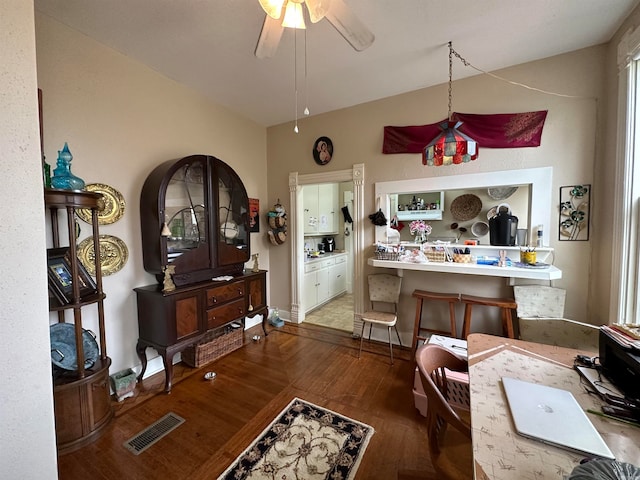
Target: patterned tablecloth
x=499 y=452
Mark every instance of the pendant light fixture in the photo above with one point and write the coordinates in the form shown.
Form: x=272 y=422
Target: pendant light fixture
x=450 y=146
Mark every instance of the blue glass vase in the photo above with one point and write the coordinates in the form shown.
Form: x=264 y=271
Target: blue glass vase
x=62 y=176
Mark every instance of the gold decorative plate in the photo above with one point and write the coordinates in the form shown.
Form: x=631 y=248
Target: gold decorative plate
x=111 y=206
x=113 y=254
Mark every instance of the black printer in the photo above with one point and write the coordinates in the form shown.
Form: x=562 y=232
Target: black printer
x=621 y=365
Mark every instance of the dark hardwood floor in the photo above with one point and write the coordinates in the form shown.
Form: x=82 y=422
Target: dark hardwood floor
x=252 y=385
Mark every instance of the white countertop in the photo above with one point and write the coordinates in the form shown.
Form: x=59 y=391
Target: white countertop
x=323 y=256
x=550 y=273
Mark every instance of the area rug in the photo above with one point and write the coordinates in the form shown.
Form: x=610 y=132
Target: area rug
x=305 y=441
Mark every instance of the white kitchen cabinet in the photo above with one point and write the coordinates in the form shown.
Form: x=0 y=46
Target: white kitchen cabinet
x=328 y=208
x=320 y=208
x=310 y=208
x=338 y=277
x=324 y=279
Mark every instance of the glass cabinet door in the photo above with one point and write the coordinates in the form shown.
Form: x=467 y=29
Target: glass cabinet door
x=233 y=216
x=186 y=215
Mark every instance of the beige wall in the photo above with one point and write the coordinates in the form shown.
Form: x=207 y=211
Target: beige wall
x=27 y=436
x=121 y=119
x=568 y=145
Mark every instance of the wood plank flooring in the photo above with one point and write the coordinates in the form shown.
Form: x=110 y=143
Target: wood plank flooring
x=252 y=385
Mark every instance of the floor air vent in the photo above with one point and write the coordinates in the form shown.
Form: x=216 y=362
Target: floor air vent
x=153 y=433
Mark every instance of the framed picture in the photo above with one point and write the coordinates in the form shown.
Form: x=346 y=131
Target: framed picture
x=254 y=215
x=61 y=279
x=323 y=150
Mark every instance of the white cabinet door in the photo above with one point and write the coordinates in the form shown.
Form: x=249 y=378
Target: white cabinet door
x=322 y=280
x=328 y=208
x=310 y=208
x=337 y=279
x=310 y=289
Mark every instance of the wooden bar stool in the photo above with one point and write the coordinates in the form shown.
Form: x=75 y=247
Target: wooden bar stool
x=505 y=304
x=422 y=295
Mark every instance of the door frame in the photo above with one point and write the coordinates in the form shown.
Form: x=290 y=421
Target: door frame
x=296 y=181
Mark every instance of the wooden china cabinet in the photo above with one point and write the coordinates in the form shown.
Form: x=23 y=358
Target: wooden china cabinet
x=81 y=396
x=194 y=216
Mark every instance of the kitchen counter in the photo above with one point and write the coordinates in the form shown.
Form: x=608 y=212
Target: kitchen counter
x=549 y=273
x=324 y=256
x=544 y=254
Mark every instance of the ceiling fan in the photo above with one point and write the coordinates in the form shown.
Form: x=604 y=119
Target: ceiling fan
x=336 y=12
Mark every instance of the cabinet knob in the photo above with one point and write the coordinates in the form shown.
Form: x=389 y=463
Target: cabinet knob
x=214 y=300
x=240 y=292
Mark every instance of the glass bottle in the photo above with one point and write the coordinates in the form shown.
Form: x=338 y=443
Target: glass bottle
x=62 y=176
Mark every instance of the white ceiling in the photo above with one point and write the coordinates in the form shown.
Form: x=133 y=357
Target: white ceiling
x=209 y=45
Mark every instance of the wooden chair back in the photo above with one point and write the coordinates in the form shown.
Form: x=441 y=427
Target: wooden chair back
x=432 y=360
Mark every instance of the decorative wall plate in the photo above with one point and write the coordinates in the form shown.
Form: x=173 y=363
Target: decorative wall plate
x=323 y=150
x=465 y=207
x=111 y=206
x=113 y=254
x=501 y=193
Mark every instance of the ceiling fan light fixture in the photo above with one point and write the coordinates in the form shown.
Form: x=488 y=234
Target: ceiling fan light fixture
x=317 y=9
x=273 y=8
x=293 y=15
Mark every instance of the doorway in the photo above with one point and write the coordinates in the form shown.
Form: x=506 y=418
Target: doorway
x=296 y=182
x=328 y=265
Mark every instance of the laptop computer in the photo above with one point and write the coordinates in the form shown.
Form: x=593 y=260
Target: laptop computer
x=552 y=416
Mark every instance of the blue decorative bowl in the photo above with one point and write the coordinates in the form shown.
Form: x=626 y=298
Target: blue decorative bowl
x=63 y=346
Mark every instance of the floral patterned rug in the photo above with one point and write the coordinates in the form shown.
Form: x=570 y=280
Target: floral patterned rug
x=305 y=441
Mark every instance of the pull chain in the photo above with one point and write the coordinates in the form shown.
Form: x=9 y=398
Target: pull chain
x=295 y=76
x=450 y=76
x=306 y=85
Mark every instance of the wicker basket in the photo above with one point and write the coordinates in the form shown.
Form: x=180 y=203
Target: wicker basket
x=436 y=256
x=462 y=258
x=387 y=256
x=211 y=348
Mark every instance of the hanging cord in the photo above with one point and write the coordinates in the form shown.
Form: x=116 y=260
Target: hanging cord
x=295 y=76
x=450 y=77
x=306 y=85
x=518 y=84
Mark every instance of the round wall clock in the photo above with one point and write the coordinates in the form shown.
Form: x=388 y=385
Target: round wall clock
x=323 y=150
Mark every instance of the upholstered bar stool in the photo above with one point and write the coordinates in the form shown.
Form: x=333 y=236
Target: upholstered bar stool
x=505 y=305
x=418 y=329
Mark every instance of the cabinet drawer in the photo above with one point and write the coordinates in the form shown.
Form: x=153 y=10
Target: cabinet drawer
x=224 y=293
x=341 y=259
x=312 y=267
x=328 y=262
x=218 y=316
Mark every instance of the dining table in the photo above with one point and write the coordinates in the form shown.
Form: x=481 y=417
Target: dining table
x=499 y=452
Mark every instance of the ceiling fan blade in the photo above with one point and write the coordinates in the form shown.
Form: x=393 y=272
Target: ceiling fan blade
x=269 y=38
x=317 y=9
x=349 y=26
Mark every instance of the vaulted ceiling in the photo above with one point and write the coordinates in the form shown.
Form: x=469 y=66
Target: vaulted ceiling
x=209 y=45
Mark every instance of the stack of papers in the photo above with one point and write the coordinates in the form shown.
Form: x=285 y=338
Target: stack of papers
x=617 y=333
x=457 y=346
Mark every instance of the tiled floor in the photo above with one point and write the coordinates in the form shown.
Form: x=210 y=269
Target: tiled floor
x=336 y=314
